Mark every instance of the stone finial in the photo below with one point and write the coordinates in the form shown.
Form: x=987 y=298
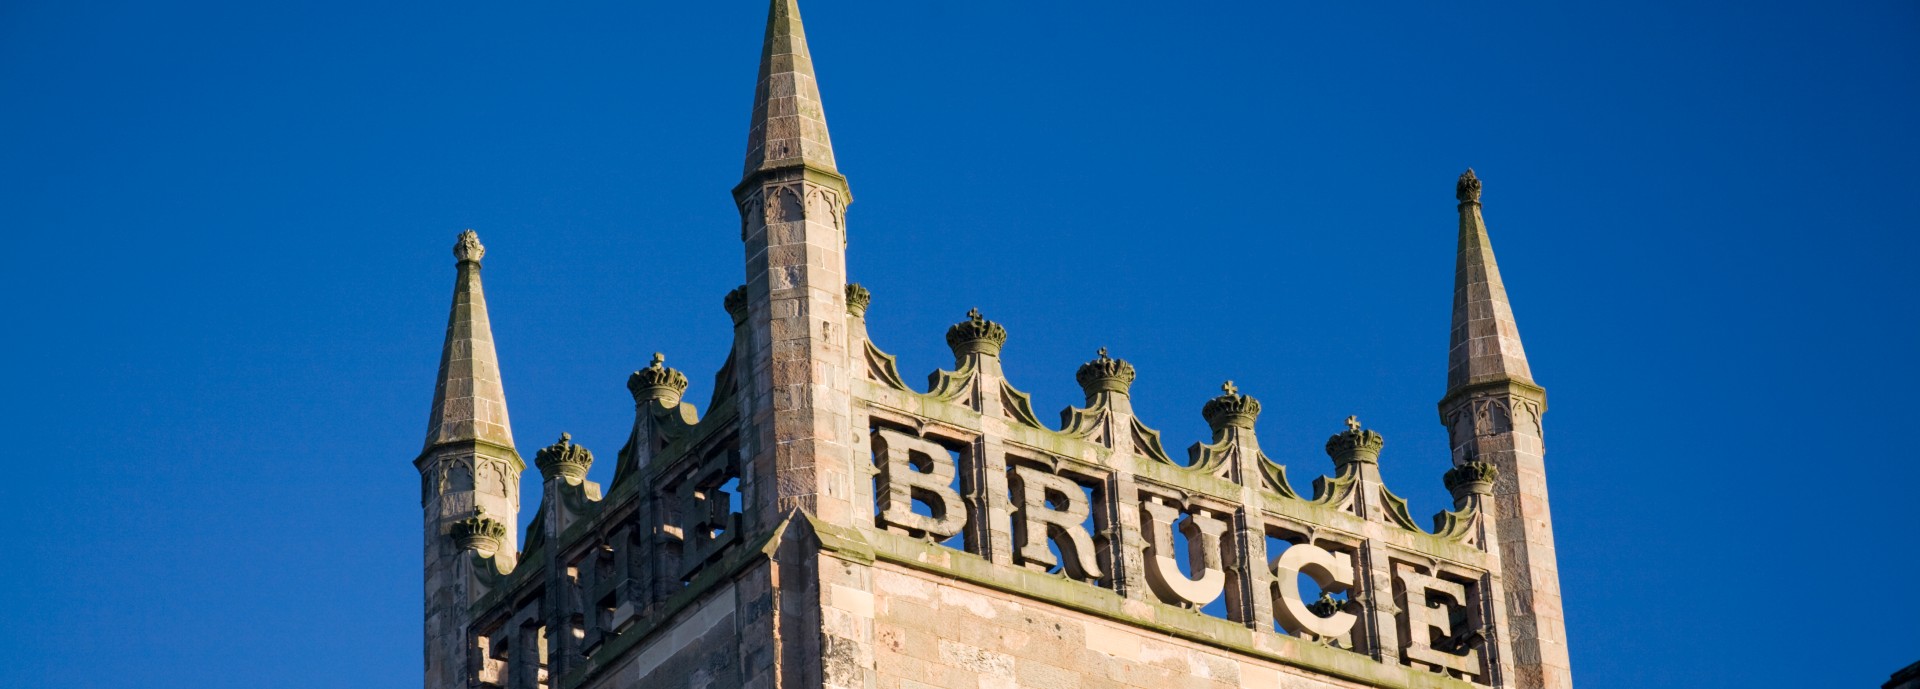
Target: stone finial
x=857 y=299
x=479 y=532
x=563 y=459
x=736 y=304
x=1471 y=478
x=657 y=382
x=469 y=249
x=1356 y=444
x=1231 y=409
x=976 y=335
x=1468 y=190
x=1105 y=374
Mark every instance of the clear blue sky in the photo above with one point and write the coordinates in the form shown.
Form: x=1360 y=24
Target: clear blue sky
x=226 y=272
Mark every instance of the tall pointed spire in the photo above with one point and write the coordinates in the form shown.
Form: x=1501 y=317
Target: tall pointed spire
x=469 y=473
x=789 y=127
x=1485 y=346
x=1493 y=411
x=796 y=367
x=469 y=403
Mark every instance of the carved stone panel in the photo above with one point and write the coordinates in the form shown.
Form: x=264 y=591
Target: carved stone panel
x=1332 y=573
x=1436 y=615
x=1056 y=507
x=917 y=469
x=1204 y=535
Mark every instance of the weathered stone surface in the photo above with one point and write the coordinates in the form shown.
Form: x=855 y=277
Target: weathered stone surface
x=469 y=402
x=994 y=635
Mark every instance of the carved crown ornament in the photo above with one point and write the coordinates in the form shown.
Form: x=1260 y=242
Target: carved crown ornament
x=657 y=382
x=479 y=532
x=1355 y=444
x=1468 y=189
x=1105 y=374
x=1475 y=478
x=857 y=299
x=468 y=248
x=1231 y=409
x=976 y=335
x=563 y=459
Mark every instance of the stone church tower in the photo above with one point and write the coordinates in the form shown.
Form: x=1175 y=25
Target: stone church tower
x=822 y=523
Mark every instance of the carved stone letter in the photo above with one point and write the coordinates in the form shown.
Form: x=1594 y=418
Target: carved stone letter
x=1332 y=573
x=917 y=468
x=1054 y=506
x=1203 y=555
x=1427 y=612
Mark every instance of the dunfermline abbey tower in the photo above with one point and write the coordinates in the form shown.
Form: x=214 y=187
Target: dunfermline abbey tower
x=824 y=524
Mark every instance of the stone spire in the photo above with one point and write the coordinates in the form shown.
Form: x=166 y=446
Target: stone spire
x=1485 y=346
x=469 y=474
x=1493 y=413
x=789 y=125
x=804 y=452
x=469 y=403
x=796 y=368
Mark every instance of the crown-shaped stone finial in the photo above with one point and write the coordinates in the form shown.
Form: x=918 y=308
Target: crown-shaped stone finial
x=1356 y=444
x=1105 y=374
x=1231 y=409
x=657 y=382
x=1471 y=478
x=563 y=459
x=857 y=299
x=976 y=335
x=468 y=248
x=1468 y=190
x=479 y=532
x=736 y=304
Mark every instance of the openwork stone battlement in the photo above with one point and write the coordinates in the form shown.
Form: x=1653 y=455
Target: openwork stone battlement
x=1092 y=514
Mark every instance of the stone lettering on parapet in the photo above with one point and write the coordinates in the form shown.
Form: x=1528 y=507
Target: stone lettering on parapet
x=1098 y=502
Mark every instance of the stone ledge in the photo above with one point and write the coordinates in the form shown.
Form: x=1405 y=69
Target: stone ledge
x=1165 y=619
